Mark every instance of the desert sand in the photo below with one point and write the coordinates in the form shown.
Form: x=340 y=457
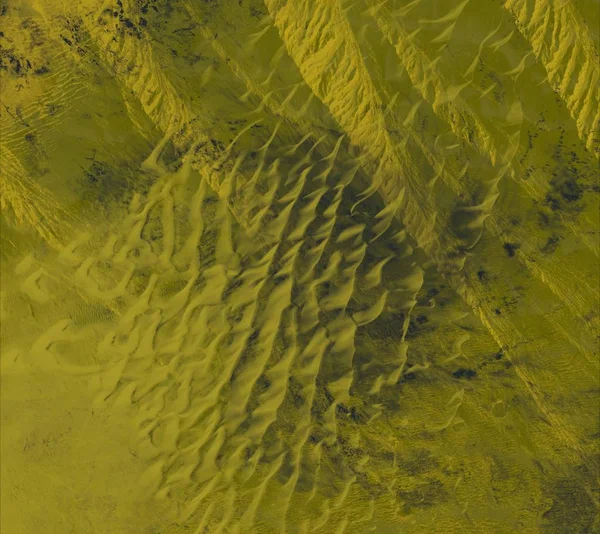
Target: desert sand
x=299 y=267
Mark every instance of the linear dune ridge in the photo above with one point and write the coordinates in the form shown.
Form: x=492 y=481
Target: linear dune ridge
x=310 y=266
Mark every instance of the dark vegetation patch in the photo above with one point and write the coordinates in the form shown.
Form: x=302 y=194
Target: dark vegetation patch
x=565 y=190
x=418 y=463
x=295 y=391
x=417 y=324
x=458 y=252
x=353 y=413
x=408 y=375
x=97 y=171
x=13 y=63
x=510 y=248
x=509 y=302
x=387 y=326
x=262 y=384
x=572 y=509
x=464 y=373
x=429 y=494
x=323 y=399
x=551 y=244
x=544 y=219
x=432 y=292
x=256 y=13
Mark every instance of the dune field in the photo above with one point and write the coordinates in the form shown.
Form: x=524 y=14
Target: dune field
x=303 y=266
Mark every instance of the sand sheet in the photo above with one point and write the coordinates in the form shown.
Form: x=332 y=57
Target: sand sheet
x=310 y=266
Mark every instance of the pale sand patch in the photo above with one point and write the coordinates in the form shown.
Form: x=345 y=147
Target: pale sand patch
x=67 y=466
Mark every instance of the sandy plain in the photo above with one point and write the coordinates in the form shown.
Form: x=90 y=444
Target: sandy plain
x=299 y=266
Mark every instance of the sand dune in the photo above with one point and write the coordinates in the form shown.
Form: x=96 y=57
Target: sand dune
x=299 y=267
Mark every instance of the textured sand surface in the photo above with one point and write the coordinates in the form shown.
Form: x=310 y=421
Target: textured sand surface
x=306 y=266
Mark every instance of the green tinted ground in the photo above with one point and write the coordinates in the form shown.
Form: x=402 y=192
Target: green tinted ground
x=299 y=266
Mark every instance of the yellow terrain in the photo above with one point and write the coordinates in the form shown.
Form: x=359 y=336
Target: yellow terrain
x=300 y=266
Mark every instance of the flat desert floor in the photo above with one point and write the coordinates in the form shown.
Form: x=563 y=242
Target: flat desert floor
x=304 y=266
